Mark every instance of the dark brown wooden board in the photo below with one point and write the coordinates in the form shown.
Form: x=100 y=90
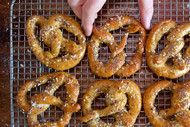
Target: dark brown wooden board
x=5 y=115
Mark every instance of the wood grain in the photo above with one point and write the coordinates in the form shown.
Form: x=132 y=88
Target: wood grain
x=5 y=117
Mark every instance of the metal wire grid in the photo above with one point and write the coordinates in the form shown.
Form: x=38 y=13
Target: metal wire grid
x=24 y=65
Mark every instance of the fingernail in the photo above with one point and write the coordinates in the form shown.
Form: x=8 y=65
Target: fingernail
x=96 y=16
x=147 y=25
x=87 y=33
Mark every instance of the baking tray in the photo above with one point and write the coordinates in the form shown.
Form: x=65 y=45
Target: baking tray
x=24 y=65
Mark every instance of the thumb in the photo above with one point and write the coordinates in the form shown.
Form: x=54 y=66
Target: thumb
x=146 y=12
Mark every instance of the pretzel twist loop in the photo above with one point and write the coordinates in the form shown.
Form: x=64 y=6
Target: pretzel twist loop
x=40 y=102
x=174 y=44
x=176 y=116
x=115 y=101
x=117 y=58
x=53 y=38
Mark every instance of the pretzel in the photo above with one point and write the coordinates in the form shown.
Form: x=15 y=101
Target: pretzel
x=40 y=102
x=176 y=116
x=117 y=58
x=52 y=37
x=174 y=44
x=115 y=101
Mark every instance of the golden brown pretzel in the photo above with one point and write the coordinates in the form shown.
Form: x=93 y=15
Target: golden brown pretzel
x=52 y=37
x=176 y=116
x=115 y=101
x=40 y=102
x=117 y=58
x=174 y=44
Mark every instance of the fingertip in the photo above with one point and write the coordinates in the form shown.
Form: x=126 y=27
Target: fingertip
x=147 y=25
x=87 y=33
x=148 y=28
x=87 y=26
x=146 y=21
x=87 y=29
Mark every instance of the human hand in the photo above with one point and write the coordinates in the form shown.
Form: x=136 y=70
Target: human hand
x=87 y=11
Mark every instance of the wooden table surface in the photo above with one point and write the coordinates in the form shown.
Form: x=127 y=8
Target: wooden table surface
x=5 y=115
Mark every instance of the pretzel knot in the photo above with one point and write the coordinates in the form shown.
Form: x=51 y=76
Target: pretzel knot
x=174 y=44
x=116 y=100
x=53 y=38
x=40 y=102
x=176 y=116
x=117 y=58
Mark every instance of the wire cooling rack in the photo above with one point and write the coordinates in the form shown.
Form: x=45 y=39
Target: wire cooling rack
x=24 y=65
